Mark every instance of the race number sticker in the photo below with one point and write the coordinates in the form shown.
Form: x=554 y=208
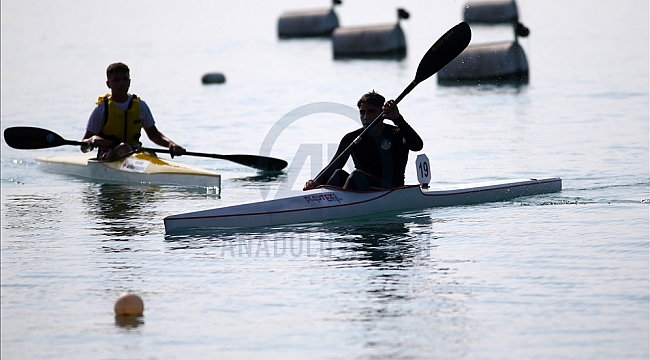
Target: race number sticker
x=423 y=169
x=134 y=165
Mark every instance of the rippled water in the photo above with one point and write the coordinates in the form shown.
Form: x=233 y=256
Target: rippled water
x=562 y=275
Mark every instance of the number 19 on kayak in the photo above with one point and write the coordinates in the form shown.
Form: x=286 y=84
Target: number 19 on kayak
x=423 y=169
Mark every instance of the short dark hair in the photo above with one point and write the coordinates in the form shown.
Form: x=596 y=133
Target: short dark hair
x=117 y=67
x=372 y=98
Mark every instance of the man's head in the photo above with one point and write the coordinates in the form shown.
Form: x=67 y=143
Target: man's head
x=370 y=106
x=118 y=80
x=371 y=98
x=117 y=68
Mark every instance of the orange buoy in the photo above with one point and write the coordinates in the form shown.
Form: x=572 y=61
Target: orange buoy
x=129 y=304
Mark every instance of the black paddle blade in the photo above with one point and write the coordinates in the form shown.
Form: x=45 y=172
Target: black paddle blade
x=443 y=51
x=29 y=138
x=262 y=163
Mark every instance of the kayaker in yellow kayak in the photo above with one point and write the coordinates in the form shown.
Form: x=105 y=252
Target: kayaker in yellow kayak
x=381 y=155
x=116 y=122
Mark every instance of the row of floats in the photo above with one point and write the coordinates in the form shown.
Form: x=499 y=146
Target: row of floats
x=352 y=42
x=501 y=62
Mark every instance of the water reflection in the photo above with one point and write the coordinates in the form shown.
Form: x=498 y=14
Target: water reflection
x=384 y=241
x=389 y=248
x=121 y=210
x=381 y=273
x=515 y=83
x=128 y=322
x=42 y=210
x=124 y=211
x=263 y=177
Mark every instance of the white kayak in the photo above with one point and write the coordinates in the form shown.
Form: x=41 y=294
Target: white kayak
x=137 y=168
x=330 y=203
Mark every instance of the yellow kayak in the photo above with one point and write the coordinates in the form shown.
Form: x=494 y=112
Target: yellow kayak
x=137 y=168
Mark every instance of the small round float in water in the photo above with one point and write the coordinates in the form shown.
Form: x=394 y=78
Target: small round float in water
x=213 y=78
x=129 y=304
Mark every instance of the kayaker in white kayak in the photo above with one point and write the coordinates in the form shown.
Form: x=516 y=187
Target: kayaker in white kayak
x=115 y=124
x=381 y=156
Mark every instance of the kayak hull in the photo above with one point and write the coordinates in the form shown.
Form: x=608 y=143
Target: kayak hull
x=330 y=203
x=137 y=168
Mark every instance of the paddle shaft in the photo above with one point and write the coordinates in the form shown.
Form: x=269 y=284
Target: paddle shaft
x=441 y=53
x=377 y=120
x=263 y=163
x=29 y=138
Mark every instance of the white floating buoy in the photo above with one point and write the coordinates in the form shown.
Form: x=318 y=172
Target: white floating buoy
x=371 y=41
x=501 y=62
x=129 y=304
x=308 y=23
x=213 y=78
x=494 y=63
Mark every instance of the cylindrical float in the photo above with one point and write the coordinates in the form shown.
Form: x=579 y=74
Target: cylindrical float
x=213 y=78
x=369 y=41
x=502 y=62
x=309 y=23
x=487 y=63
x=493 y=12
x=378 y=41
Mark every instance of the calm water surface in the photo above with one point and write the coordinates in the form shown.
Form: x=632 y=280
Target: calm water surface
x=564 y=275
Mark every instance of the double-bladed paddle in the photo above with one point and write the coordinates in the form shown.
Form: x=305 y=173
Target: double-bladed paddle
x=29 y=138
x=441 y=53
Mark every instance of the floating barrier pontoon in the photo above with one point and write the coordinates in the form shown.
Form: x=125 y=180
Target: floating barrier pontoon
x=501 y=62
x=308 y=23
x=383 y=41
